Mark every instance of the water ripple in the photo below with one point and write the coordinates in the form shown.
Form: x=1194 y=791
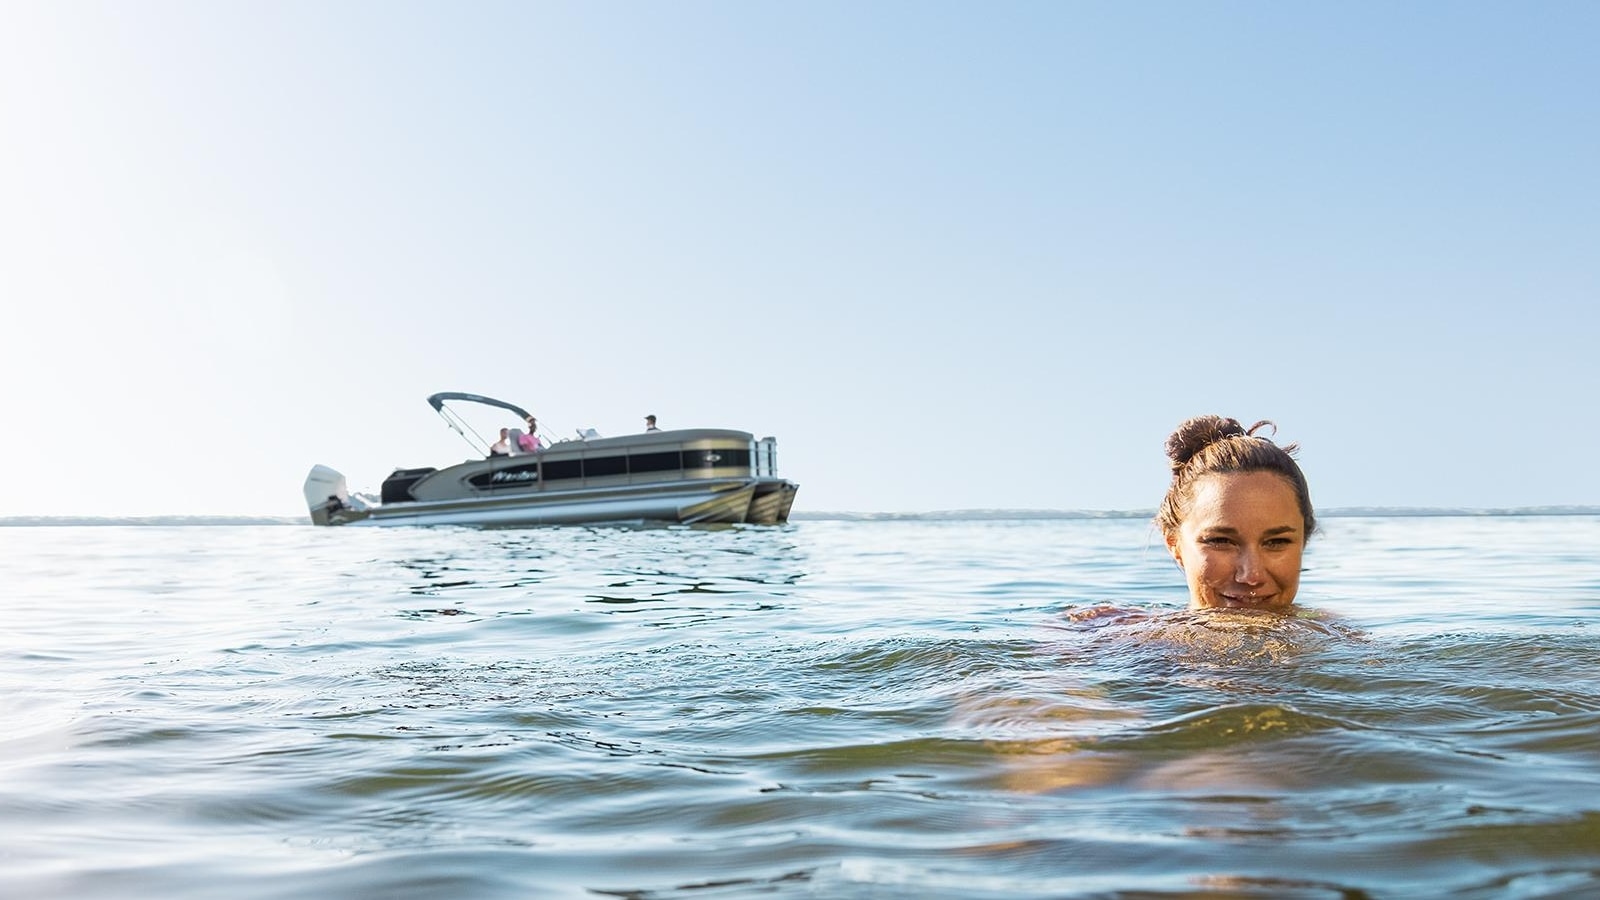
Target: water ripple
x=850 y=709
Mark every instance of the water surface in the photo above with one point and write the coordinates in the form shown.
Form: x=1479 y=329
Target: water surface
x=838 y=709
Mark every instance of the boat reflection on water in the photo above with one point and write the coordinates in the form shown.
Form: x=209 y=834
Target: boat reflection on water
x=693 y=475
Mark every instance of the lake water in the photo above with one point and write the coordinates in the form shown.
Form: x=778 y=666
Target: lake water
x=826 y=709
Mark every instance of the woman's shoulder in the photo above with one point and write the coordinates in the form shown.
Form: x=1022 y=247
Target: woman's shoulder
x=1152 y=621
x=1103 y=614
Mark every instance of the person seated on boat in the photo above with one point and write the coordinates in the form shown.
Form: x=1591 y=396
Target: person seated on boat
x=514 y=442
x=650 y=423
x=529 y=443
x=501 y=447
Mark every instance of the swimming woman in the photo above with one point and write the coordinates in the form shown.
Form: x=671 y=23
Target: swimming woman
x=1235 y=519
x=1237 y=515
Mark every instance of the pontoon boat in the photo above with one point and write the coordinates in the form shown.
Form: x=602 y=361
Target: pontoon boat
x=688 y=476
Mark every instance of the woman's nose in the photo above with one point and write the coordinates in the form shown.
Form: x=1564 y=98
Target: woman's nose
x=1249 y=569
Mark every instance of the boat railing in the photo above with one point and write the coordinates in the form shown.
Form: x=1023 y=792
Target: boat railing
x=764 y=457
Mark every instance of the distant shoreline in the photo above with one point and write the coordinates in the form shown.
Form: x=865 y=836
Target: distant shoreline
x=951 y=515
x=981 y=515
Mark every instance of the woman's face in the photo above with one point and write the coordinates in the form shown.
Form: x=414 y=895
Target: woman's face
x=1240 y=542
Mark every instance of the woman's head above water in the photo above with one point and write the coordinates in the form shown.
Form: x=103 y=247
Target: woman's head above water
x=1237 y=515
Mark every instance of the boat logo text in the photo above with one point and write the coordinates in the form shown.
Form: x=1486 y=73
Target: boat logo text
x=524 y=475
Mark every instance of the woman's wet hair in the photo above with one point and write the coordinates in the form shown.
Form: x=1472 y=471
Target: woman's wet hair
x=1213 y=445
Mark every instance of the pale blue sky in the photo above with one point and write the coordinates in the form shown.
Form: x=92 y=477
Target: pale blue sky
x=952 y=255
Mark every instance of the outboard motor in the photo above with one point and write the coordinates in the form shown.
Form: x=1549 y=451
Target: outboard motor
x=326 y=494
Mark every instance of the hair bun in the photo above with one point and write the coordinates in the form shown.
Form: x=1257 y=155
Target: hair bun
x=1198 y=433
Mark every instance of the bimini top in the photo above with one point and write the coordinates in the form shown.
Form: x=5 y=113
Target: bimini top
x=437 y=401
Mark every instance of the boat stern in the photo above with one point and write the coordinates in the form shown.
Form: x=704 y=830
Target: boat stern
x=328 y=498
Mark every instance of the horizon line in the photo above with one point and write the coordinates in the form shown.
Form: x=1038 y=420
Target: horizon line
x=973 y=514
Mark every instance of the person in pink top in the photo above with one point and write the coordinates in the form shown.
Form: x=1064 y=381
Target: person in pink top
x=529 y=443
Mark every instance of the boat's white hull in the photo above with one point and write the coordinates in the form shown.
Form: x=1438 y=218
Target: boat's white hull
x=688 y=503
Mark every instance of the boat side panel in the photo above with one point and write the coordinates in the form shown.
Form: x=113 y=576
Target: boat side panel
x=614 y=462
x=694 y=501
